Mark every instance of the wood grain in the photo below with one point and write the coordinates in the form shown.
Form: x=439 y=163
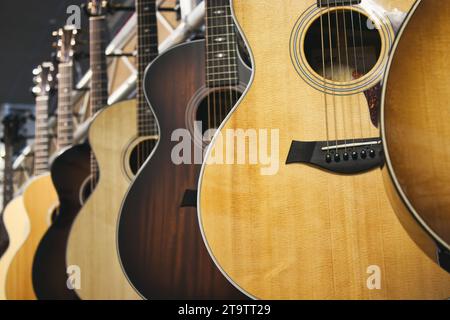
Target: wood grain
x=416 y=120
x=38 y=197
x=160 y=244
x=305 y=233
x=17 y=225
x=92 y=242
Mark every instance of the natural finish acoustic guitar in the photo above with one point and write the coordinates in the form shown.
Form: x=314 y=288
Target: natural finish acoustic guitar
x=39 y=197
x=14 y=217
x=160 y=244
x=416 y=130
x=70 y=171
x=316 y=224
x=18 y=227
x=130 y=125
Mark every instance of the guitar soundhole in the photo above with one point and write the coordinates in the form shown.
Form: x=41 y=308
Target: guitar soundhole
x=215 y=106
x=342 y=45
x=140 y=153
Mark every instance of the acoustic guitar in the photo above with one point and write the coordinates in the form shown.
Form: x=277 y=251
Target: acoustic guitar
x=10 y=133
x=130 y=125
x=70 y=171
x=300 y=211
x=415 y=129
x=160 y=244
x=39 y=196
x=14 y=217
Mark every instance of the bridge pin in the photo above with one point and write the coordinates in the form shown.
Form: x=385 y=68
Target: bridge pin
x=372 y=153
x=354 y=155
x=364 y=154
x=337 y=157
x=328 y=158
x=346 y=156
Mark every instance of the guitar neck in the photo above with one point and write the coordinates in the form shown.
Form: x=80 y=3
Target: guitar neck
x=99 y=68
x=99 y=80
x=221 y=45
x=147 y=50
x=41 y=145
x=8 y=190
x=65 y=116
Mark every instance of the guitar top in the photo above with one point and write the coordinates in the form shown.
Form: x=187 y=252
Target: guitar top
x=309 y=214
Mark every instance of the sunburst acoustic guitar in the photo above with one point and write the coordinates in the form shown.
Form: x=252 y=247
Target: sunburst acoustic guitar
x=39 y=197
x=307 y=217
x=130 y=124
x=70 y=171
x=416 y=131
x=160 y=244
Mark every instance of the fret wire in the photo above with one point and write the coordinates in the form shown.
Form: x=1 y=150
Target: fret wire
x=147 y=51
x=220 y=70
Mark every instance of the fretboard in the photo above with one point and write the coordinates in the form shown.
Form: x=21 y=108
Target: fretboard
x=147 y=50
x=41 y=142
x=8 y=190
x=65 y=115
x=97 y=47
x=99 y=80
x=221 y=49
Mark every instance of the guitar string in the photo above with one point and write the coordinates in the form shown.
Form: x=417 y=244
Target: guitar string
x=232 y=62
x=223 y=29
x=230 y=49
x=150 y=43
x=207 y=60
x=98 y=98
x=344 y=16
x=215 y=50
x=363 y=57
x=212 y=54
x=324 y=81
x=139 y=52
x=332 y=75
x=218 y=30
x=356 y=68
x=341 y=74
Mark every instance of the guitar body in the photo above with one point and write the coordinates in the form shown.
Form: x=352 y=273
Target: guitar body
x=39 y=197
x=415 y=126
x=160 y=244
x=112 y=136
x=17 y=225
x=297 y=231
x=70 y=173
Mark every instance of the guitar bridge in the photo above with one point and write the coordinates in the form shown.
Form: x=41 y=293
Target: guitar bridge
x=343 y=156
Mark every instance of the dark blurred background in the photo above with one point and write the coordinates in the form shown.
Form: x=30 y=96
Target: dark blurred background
x=25 y=34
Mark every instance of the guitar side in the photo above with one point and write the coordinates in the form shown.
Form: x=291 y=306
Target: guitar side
x=70 y=171
x=38 y=197
x=17 y=225
x=304 y=233
x=92 y=243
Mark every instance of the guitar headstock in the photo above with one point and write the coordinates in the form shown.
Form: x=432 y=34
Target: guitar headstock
x=44 y=79
x=97 y=8
x=66 y=43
